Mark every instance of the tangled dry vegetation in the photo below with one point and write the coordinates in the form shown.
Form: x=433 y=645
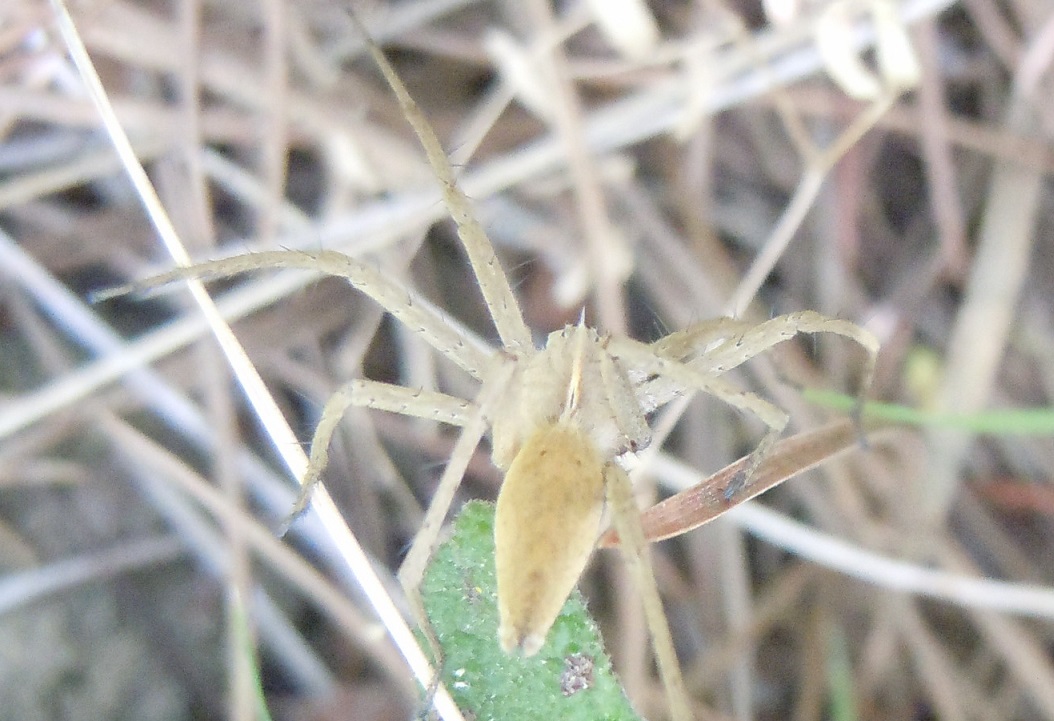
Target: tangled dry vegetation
x=649 y=183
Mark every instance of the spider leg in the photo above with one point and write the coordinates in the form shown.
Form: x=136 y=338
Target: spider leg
x=684 y=346
x=759 y=338
x=743 y=342
x=424 y=544
x=695 y=339
x=689 y=378
x=776 y=330
x=626 y=518
x=379 y=396
x=493 y=283
x=438 y=329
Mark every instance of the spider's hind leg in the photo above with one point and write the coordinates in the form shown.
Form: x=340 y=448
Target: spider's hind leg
x=626 y=519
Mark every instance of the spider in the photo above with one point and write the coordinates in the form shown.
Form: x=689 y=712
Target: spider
x=563 y=417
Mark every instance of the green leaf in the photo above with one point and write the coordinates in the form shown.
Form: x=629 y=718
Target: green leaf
x=570 y=678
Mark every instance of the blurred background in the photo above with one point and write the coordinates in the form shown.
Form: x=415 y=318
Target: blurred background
x=653 y=164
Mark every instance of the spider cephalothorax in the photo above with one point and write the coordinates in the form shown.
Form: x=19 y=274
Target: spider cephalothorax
x=575 y=379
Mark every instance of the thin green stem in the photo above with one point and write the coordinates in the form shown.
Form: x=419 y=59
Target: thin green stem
x=1000 y=422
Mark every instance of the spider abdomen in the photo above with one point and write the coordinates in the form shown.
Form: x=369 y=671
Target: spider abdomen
x=547 y=523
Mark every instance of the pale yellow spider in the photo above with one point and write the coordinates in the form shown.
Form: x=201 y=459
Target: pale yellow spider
x=562 y=417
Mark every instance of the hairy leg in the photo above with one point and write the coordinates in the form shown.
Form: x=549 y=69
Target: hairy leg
x=379 y=396
x=434 y=326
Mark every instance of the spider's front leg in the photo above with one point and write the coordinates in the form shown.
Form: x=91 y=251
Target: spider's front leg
x=759 y=338
x=720 y=344
x=781 y=328
x=696 y=339
x=687 y=378
x=716 y=346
